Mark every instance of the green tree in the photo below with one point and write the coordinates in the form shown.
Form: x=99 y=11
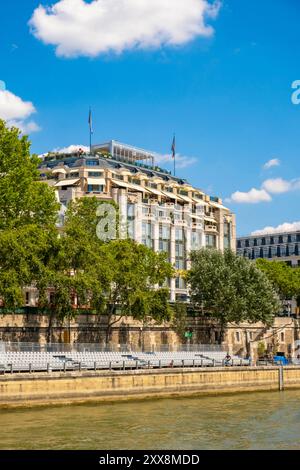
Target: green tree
x=28 y=212
x=180 y=319
x=231 y=288
x=118 y=275
x=24 y=199
x=133 y=272
x=285 y=279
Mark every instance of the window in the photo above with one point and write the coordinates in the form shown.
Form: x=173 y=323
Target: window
x=179 y=234
x=130 y=210
x=96 y=174
x=282 y=337
x=196 y=241
x=92 y=163
x=164 y=246
x=164 y=232
x=95 y=188
x=180 y=283
x=27 y=298
x=251 y=335
x=179 y=251
x=211 y=241
x=237 y=336
x=180 y=264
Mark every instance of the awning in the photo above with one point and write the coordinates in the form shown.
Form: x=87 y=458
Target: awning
x=59 y=170
x=138 y=188
x=210 y=219
x=186 y=198
x=155 y=191
x=67 y=182
x=219 y=206
x=96 y=181
x=199 y=201
x=172 y=196
x=130 y=186
x=120 y=183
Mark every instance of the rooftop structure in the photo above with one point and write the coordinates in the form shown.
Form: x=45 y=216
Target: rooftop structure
x=125 y=153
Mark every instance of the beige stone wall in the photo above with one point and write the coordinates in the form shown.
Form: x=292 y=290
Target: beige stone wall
x=84 y=386
x=239 y=339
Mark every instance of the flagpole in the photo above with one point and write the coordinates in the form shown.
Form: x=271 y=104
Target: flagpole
x=174 y=152
x=91 y=129
x=175 y=164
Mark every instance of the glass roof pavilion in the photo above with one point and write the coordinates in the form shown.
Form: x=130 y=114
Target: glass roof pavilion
x=125 y=153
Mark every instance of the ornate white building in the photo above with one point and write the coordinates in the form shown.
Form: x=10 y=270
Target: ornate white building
x=157 y=209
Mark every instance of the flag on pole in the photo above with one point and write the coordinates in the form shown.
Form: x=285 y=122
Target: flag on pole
x=91 y=121
x=174 y=147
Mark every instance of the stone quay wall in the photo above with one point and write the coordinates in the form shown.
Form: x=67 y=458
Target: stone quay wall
x=71 y=387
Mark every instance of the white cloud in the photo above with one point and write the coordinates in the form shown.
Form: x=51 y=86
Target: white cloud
x=80 y=28
x=181 y=161
x=272 y=163
x=13 y=107
x=25 y=127
x=279 y=185
x=70 y=149
x=254 y=196
x=270 y=186
x=286 y=227
x=16 y=111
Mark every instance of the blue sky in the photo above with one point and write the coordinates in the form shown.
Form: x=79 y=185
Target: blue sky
x=227 y=95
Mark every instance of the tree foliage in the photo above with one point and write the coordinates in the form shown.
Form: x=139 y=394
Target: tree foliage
x=231 y=288
x=24 y=199
x=284 y=278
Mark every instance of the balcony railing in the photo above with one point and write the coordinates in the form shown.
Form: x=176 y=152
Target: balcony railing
x=211 y=228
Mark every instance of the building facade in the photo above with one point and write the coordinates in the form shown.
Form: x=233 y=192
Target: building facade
x=157 y=209
x=284 y=247
x=274 y=246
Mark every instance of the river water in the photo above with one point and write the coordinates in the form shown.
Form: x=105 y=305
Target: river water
x=247 y=421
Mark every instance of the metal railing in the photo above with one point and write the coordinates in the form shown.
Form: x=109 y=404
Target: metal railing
x=125 y=365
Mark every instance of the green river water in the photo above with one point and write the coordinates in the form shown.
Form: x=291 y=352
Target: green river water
x=246 y=421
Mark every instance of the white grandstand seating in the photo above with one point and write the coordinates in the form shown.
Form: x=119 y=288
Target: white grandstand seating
x=28 y=361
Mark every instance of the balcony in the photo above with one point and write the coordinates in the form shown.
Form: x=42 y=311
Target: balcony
x=211 y=228
x=198 y=226
x=180 y=223
x=166 y=220
x=150 y=217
